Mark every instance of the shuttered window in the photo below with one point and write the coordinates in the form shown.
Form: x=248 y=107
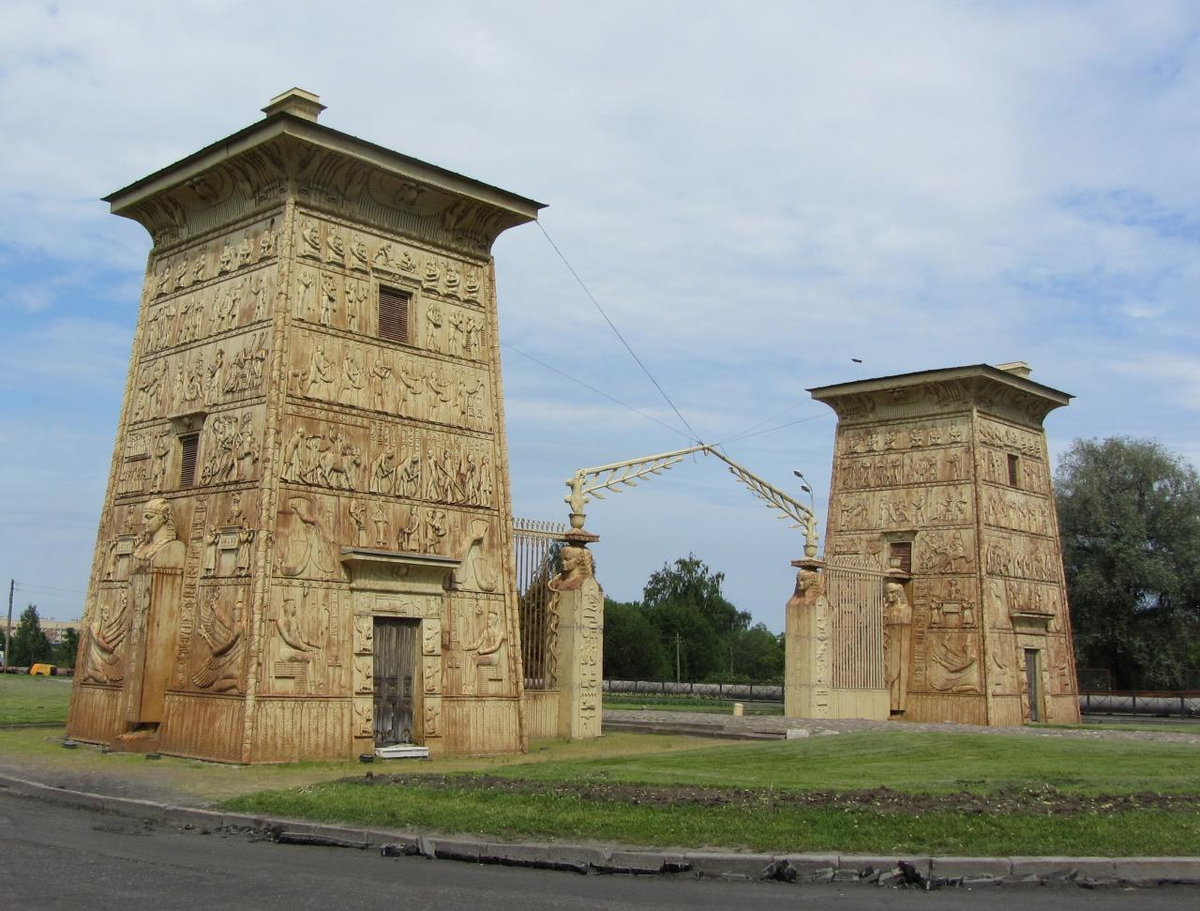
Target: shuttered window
x=393 y=314
x=187 y=463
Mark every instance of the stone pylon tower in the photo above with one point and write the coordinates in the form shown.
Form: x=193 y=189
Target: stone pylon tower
x=941 y=483
x=304 y=549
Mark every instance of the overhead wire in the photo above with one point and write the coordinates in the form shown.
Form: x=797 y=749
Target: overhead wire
x=29 y=586
x=646 y=370
x=591 y=388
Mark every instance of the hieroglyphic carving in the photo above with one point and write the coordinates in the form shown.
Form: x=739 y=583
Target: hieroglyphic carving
x=1017 y=511
x=902 y=436
x=892 y=469
x=342 y=372
x=214 y=338
x=1022 y=558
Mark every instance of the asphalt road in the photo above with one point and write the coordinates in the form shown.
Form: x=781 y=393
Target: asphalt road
x=51 y=857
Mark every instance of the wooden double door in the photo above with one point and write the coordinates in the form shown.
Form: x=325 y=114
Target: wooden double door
x=396 y=675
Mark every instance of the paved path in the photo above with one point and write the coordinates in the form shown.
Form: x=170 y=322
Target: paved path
x=777 y=726
x=59 y=858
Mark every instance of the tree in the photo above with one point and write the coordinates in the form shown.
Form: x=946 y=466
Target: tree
x=29 y=643
x=757 y=655
x=64 y=652
x=685 y=601
x=633 y=649
x=1129 y=516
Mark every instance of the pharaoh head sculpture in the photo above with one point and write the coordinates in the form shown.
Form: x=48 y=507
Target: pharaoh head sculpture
x=158 y=520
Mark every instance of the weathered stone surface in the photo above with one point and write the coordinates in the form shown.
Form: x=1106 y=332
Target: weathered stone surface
x=644 y=862
x=1152 y=869
x=310 y=455
x=970 y=867
x=1061 y=868
x=729 y=866
x=941 y=596
x=557 y=856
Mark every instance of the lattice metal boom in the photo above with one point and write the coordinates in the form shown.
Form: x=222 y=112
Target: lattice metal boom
x=587 y=483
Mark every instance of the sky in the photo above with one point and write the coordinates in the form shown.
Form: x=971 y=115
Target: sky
x=756 y=195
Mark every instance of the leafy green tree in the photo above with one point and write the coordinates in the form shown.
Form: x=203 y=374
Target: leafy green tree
x=29 y=643
x=684 y=603
x=633 y=649
x=64 y=652
x=757 y=655
x=1129 y=515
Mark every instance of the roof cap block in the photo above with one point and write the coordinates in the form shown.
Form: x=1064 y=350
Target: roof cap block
x=296 y=101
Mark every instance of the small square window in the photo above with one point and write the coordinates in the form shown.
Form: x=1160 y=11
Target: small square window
x=393 y=314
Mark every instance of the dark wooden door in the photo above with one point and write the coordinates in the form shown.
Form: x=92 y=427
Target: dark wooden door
x=1033 y=679
x=394 y=673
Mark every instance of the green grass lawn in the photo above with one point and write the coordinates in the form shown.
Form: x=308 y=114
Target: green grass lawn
x=33 y=700
x=911 y=763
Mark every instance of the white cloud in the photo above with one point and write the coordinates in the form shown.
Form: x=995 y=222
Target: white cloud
x=754 y=197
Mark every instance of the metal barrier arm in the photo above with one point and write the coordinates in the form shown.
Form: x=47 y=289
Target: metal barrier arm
x=789 y=508
x=586 y=484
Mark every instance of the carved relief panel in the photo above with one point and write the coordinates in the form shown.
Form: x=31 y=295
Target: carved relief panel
x=1017 y=511
x=895 y=469
x=380 y=378
x=433 y=466
x=475 y=649
x=338 y=261
x=203 y=377
x=1011 y=439
x=213 y=657
x=1020 y=557
x=106 y=636
x=215 y=308
x=221 y=258
x=231 y=535
x=914 y=507
x=914 y=436
x=307 y=647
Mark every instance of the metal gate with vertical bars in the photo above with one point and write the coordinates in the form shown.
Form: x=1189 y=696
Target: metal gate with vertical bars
x=856 y=609
x=536 y=556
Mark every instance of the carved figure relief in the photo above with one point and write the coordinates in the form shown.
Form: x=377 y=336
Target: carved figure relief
x=476 y=571
x=221 y=628
x=231 y=448
x=307 y=550
x=433 y=717
x=484 y=658
x=106 y=635
x=897 y=626
x=364 y=635
x=295 y=652
x=155 y=595
x=1023 y=558
x=941 y=551
x=953 y=665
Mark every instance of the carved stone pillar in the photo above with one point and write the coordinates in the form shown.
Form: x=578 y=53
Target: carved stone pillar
x=806 y=640
x=577 y=604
